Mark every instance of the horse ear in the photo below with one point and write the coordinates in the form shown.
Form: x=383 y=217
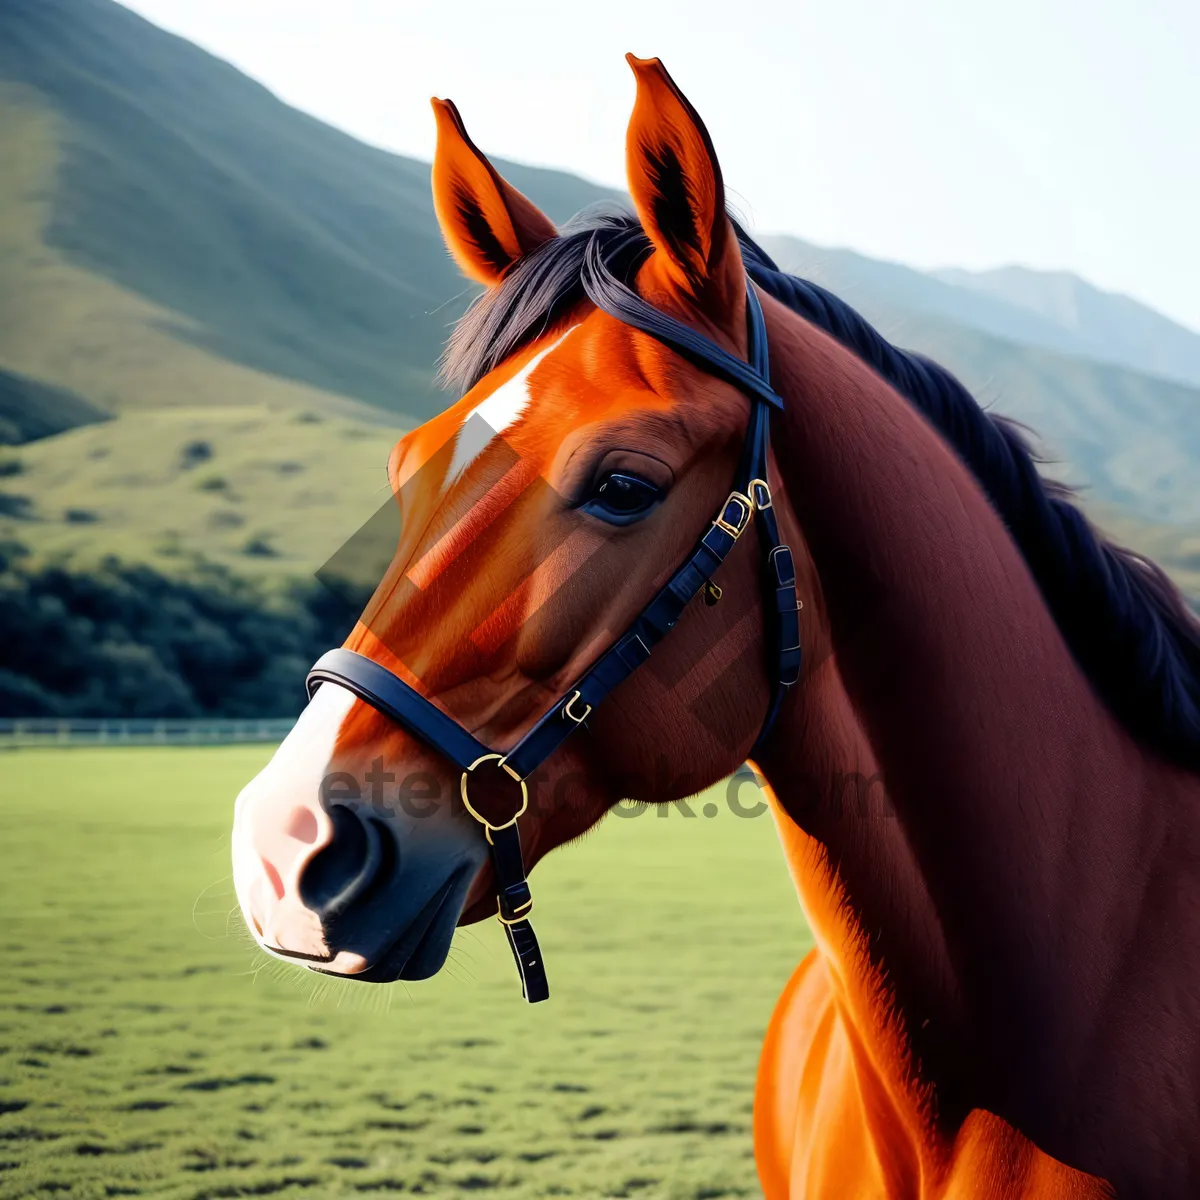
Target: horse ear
x=486 y=222
x=675 y=180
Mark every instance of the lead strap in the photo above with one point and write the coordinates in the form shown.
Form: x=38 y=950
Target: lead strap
x=514 y=904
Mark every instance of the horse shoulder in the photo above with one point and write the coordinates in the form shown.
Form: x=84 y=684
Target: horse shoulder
x=829 y=1126
x=810 y=1132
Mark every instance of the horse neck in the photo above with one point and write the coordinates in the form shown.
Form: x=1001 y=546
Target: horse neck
x=969 y=819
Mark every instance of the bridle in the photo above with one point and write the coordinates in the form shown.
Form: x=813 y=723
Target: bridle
x=750 y=498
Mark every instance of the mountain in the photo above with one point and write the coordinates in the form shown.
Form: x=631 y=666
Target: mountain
x=160 y=189
x=879 y=287
x=1130 y=438
x=183 y=252
x=1052 y=310
x=1103 y=325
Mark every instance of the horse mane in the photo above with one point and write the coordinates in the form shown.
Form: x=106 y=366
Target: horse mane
x=1125 y=622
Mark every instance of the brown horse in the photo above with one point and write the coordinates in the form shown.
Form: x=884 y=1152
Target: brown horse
x=1004 y=997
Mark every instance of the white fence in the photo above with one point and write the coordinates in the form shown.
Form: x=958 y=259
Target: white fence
x=84 y=731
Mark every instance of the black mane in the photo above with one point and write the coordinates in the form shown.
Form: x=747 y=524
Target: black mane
x=1125 y=622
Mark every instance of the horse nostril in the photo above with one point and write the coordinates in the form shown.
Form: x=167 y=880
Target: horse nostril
x=344 y=868
x=302 y=825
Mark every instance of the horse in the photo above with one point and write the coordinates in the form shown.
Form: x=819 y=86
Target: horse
x=1003 y=997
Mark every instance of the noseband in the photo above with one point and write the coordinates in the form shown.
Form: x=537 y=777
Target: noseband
x=750 y=498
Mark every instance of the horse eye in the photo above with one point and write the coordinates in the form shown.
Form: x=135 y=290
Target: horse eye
x=621 y=499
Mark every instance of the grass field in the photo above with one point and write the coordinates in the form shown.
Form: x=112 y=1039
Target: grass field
x=147 y=1049
x=263 y=493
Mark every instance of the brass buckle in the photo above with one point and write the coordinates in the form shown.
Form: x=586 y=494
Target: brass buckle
x=487 y=825
x=760 y=493
x=568 y=713
x=523 y=913
x=746 y=506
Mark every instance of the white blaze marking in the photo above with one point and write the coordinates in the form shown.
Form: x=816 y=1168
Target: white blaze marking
x=292 y=778
x=500 y=411
x=303 y=757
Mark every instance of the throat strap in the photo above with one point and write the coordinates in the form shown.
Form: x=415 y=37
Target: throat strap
x=781 y=605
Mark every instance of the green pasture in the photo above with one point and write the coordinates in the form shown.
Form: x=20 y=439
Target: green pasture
x=146 y=1048
x=268 y=495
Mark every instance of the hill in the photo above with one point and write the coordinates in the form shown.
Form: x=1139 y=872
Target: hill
x=1049 y=310
x=261 y=493
x=31 y=410
x=160 y=189
x=1131 y=439
x=1104 y=325
x=183 y=250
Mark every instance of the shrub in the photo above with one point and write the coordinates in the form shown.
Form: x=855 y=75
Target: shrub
x=194 y=453
x=127 y=641
x=259 y=546
x=20 y=507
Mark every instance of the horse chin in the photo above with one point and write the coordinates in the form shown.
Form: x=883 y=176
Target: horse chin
x=421 y=948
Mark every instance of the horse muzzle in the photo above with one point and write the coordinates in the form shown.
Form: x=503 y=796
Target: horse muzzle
x=347 y=890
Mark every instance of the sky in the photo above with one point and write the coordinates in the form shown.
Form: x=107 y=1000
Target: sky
x=1057 y=134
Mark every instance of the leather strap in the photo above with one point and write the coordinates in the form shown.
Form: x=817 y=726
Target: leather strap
x=753 y=378
x=514 y=905
x=781 y=610
x=607 y=292
x=388 y=693
x=650 y=626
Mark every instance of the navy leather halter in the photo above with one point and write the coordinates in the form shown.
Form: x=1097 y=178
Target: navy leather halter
x=750 y=498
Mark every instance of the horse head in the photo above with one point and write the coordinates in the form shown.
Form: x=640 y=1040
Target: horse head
x=539 y=515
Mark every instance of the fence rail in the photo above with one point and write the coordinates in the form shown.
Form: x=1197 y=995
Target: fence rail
x=84 y=731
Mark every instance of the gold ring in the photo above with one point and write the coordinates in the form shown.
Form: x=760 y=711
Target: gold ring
x=462 y=787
